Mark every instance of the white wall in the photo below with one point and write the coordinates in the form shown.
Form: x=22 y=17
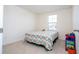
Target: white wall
x=75 y=17
x=64 y=20
x=17 y=22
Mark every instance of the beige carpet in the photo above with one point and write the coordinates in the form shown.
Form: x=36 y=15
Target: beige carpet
x=22 y=47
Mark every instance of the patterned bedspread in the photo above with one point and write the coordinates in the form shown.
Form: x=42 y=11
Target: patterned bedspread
x=45 y=38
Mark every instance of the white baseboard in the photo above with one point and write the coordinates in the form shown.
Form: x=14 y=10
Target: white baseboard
x=10 y=42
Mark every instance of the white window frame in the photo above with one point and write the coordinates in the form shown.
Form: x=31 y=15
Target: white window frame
x=51 y=21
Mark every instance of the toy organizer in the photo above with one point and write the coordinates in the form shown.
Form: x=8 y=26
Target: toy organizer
x=70 y=45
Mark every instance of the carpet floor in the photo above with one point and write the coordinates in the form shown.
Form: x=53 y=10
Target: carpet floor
x=22 y=47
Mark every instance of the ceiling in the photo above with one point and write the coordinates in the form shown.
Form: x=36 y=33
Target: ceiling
x=44 y=8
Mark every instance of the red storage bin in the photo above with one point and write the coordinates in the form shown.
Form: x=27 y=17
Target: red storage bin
x=71 y=51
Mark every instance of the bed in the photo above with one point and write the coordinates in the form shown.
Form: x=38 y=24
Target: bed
x=45 y=38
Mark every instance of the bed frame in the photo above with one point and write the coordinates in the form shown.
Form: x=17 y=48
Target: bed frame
x=42 y=45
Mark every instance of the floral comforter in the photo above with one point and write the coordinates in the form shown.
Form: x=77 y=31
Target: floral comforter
x=44 y=38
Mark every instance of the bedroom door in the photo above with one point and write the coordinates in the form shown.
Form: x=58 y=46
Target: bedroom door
x=1 y=27
x=76 y=24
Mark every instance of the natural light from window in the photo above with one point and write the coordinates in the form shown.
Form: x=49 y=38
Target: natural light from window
x=52 y=21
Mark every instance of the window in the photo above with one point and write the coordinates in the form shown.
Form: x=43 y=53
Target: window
x=52 y=21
